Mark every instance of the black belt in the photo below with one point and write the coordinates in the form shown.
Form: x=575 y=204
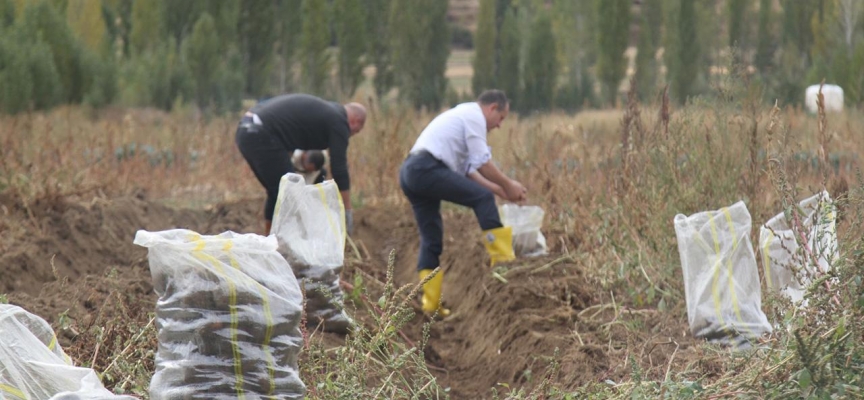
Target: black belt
x=249 y=124
x=425 y=153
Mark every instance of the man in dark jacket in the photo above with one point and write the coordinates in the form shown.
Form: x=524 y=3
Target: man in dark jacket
x=269 y=133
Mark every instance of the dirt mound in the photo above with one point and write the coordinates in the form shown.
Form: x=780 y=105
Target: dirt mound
x=510 y=327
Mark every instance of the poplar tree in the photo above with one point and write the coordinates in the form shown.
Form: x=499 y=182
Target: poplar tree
x=421 y=46
x=7 y=13
x=256 y=31
x=509 y=68
x=147 y=26
x=314 y=42
x=290 y=25
x=351 y=38
x=86 y=21
x=614 y=27
x=737 y=23
x=541 y=73
x=203 y=57
x=647 y=68
x=379 y=51
x=687 y=52
x=765 y=43
x=484 y=48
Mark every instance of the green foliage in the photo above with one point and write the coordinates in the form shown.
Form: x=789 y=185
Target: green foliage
x=614 y=26
x=101 y=81
x=738 y=17
x=687 y=51
x=28 y=78
x=379 y=52
x=155 y=78
x=147 y=26
x=73 y=75
x=765 y=41
x=786 y=82
x=574 y=25
x=257 y=32
x=420 y=44
x=314 y=42
x=796 y=24
x=85 y=20
x=202 y=54
x=484 y=49
x=42 y=21
x=541 y=72
x=7 y=14
x=226 y=14
x=118 y=20
x=180 y=16
x=647 y=67
x=289 y=26
x=510 y=60
x=351 y=38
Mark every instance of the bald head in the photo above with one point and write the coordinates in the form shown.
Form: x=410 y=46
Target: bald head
x=356 y=117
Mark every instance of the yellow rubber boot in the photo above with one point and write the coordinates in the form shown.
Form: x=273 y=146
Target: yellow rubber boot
x=499 y=244
x=432 y=293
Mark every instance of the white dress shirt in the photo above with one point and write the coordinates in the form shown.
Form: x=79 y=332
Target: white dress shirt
x=457 y=137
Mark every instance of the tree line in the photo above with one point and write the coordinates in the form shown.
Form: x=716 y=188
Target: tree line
x=546 y=54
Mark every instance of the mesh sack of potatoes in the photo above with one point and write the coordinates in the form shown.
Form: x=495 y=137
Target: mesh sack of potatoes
x=526 y=222
x=721 y=282
x=792 y=262
x=228 y=317
x=309 y=223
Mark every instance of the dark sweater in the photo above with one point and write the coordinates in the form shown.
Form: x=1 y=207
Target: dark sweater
x=304 y=122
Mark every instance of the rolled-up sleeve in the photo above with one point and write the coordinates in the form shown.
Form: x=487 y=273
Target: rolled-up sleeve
x=479 y=152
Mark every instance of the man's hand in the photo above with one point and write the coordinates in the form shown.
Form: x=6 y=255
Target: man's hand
x=515 y=191
x=349 y=222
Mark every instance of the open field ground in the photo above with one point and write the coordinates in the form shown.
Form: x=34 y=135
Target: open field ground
x=602 y=316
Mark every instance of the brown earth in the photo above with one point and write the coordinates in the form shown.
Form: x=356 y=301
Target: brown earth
x=72 y=261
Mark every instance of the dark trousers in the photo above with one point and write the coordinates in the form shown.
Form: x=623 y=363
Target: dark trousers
x=268 y=159
x=427 y=181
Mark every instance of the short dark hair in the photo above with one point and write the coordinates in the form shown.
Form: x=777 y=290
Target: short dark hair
x=316 y=157
x=493 y=96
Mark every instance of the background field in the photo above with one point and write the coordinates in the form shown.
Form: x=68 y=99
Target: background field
x=602 y=315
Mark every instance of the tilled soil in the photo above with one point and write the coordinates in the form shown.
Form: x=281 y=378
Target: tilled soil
x=72 y=261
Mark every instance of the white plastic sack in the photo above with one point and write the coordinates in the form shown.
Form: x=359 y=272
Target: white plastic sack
x=721 y=282
x=788 y=267
x=832 y=94
x=33 y=366
x=526 y=222
x=228 y=317
x=309 y=223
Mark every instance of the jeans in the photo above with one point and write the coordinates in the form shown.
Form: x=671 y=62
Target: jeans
x=426 y=181
x=268 y=159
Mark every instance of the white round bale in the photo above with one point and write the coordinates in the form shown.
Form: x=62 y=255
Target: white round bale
x=833 y=98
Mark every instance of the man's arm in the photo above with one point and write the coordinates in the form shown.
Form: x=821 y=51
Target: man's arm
x=514 y=190
x=494 y=188
x=339 y=163
x=346 y=199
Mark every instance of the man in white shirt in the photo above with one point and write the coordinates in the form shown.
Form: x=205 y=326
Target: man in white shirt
x=451 y=161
